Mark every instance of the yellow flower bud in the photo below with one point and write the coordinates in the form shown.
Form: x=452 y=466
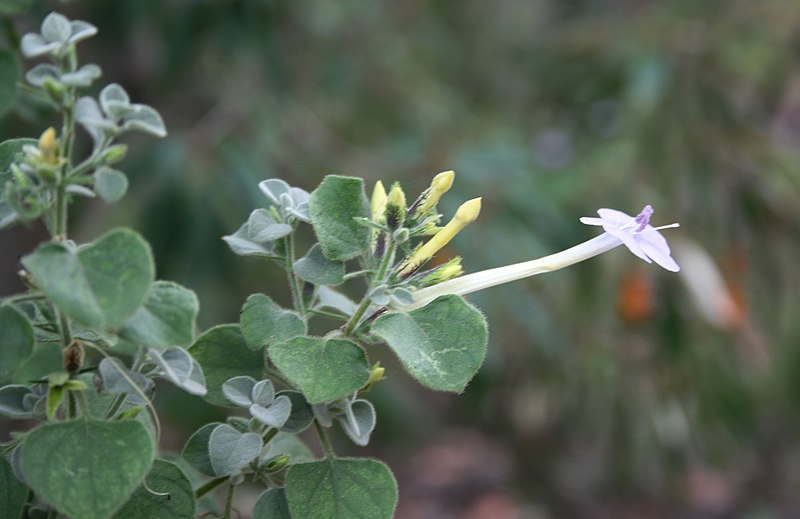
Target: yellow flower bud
x=395 y=207
x=48 y=146
x=465 y=214
x=378 y=203
x=440 y=184
x=375 y=375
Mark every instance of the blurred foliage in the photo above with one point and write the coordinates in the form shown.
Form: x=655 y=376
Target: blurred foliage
x=613 y=394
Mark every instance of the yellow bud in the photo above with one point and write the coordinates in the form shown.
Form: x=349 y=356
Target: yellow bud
x=440 y=184
x=48 y=145
x=396 y=196
x=396 y=207
x=378 y=203
x=451 y=271
x=465 y=214
x=375 y=375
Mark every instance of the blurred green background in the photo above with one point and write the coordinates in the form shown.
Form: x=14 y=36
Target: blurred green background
x=613 y=389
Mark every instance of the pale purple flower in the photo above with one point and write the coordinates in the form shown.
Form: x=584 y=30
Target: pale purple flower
x=637 y=234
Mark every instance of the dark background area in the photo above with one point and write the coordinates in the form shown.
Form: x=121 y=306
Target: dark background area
x=612 y=389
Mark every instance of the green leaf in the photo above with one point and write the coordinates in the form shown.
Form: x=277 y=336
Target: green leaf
x=302 y=414
x=168 y=495
x=9 y=76
x=196 y=450
x=110 y=184
x=341 y=489
x=9 y=150
x=272 y=504
x=442 y=344
x=16 y=340
x=101 y=284
x=323 y=369
x=334 y=207
x=166 y=318
x=14 y=6
x=230 y=451
x=315 y=268
x=223 y=354
x=264 y=322
x=86 y=468
x=13 y=493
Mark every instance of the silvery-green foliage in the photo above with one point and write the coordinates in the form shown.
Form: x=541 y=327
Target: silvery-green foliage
x=56 y=36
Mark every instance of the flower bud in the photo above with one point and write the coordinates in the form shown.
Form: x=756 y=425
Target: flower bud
x=114 y=154
x=378 y=203
x=54 y=89
x=440 y=184
x=395 y=207
x=376 y=373
x=48 y=147
x=465 y=214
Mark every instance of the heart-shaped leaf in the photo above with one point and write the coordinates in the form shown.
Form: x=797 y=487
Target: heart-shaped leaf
x=302 y=414
x=101 y=284
x=13 y=493
x=168 y=495
x=334 y=208
x=223 y=354
x=87 y=468
x=239 y=390
x=315 y=268
x=110 y=184
x=195 y=452
x=16 y=340
x=323 y=369
x=166 y=318
x=359 y=421
x=264 y=322
x=229 y=450
x=180 y=368
x=442 y=344
x=341 y=488
x=272 y=504
x=276 y=414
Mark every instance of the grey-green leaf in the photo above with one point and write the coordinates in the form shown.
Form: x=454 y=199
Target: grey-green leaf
x=341 y=489
x=195 y=452
x=230 y=451
x=223 y=354
x=16 y=340
x=358 y=421
x=334 y=207
x=272 y=504
x=324 y=370
x=302 y=414
x=442 y=344
x=9 y=76
x=316 y=268
x=13 y=493
x=168 y=495
x=110 y=184
x=101 y=284
x=239 y=390
x=87 y=468
x=167 y=317
x=264 y=322
x=274 y=415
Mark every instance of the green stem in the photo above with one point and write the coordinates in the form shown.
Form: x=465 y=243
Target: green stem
x=379 y=278
x=295 y=282
x=208 y=486
x=270 y=435
x=115 y=405
x=229 y=502
x=324 y=440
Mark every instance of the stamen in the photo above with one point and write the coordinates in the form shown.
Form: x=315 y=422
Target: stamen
x=643 y=218
x=670 y=226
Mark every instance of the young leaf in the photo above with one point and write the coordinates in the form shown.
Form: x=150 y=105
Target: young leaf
x=168 y=495
x=442 y=344
x=315 y=268
x=16 y=340
x=334 y=207
x=166 y=318
x=117 y=381
x=110 y=184
x=87 y=468
x=223 y=354
x=272 y=504
x=13 y=493
x=302 y=414
x=229 y=450
x=180 y=368
x=340 y=489
x=264 y=322
x=101 y=284
x=274 y=415
x=239 y=390
x=358 y=421
x=195 y=452
x=323 y=369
